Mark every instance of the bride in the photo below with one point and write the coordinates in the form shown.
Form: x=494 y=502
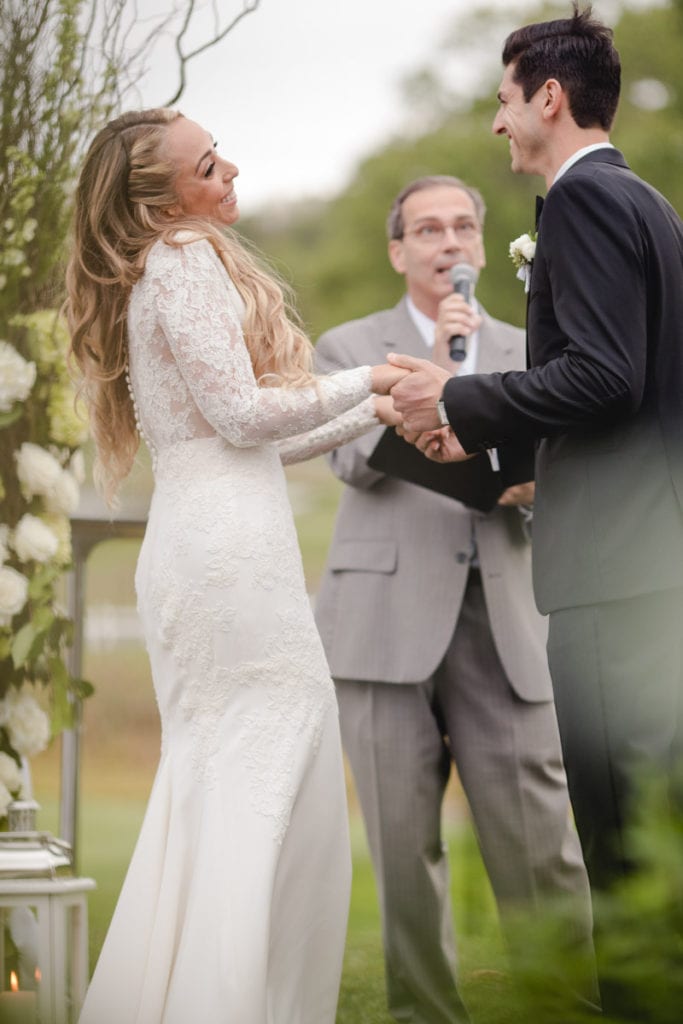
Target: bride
x=234 y=906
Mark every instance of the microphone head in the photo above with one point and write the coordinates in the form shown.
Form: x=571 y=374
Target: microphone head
x=463 y=274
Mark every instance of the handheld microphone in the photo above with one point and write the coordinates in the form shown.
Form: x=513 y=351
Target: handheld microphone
x=463 y=278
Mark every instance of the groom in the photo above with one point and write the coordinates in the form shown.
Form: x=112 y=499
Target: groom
x=603 y=399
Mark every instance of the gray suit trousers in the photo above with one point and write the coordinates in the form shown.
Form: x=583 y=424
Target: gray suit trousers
x=400 y=740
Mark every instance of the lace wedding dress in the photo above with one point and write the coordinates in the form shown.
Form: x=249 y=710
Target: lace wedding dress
x=234 y=907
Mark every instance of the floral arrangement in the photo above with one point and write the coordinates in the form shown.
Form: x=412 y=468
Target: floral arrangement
x=41 y=469
x=522 y=252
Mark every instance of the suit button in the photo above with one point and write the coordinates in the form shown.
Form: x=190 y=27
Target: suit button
x=462 y=557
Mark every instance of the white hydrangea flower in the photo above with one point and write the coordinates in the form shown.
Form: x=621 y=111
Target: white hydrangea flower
x=13 y=593
x=33 y=540
x=27 y=724
x=13 y=257
x=10 y=773
x=29 y=229
x=38 y=471
x=67 y=426
x=17 y=377
x=6 y=799
x=64 y=494
x=77 y=466
x=61 y=527
x=4 y=542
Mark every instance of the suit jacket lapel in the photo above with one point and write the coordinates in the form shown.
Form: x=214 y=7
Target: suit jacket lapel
x=493 y=354
x=401 y=335
x=539 y=209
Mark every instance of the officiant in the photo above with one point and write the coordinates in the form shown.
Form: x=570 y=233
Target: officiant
x=438 y=653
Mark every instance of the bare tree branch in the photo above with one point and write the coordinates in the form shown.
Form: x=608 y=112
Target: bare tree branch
x=249 y=6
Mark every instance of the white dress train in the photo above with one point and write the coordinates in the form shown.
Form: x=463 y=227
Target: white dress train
x=235 y=903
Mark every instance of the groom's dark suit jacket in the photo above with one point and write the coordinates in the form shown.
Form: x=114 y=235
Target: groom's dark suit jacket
x=603 y=395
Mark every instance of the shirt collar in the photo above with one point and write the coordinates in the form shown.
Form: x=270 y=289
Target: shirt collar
x=424 y=323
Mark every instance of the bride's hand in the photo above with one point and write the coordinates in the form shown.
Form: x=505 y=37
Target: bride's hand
x=385 y=411
x=385 y=376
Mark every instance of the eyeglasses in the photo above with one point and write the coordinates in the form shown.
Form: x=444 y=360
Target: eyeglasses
x=434 y=232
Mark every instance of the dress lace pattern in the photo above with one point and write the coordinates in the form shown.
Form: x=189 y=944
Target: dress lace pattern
x=227 y=912
x=220 y=582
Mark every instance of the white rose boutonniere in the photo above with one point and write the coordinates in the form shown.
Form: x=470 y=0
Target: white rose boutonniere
x=522 y=252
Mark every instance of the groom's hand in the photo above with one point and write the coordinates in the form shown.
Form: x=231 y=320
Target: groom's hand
x=415 y=396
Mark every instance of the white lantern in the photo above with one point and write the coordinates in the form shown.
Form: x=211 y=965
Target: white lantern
x=43 y=925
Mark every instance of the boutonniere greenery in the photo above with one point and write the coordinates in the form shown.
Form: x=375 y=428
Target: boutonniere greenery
x=522 y=252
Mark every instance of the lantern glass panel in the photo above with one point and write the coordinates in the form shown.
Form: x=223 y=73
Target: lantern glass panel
x=20 y=946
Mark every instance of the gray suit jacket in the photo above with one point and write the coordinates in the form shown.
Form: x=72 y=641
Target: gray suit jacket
x=399 y=558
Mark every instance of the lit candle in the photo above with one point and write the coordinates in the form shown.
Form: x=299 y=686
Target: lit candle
x=17 y=1007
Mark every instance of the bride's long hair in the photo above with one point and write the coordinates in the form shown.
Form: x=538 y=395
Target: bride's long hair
x=124 y=195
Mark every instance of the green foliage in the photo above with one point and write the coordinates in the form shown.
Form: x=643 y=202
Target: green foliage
x=335 y=252
x=40 y=468
x=46 y=113
x=52 y=93
x=638 y=932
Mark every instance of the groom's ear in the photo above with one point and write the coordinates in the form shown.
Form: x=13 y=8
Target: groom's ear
x=554 y=97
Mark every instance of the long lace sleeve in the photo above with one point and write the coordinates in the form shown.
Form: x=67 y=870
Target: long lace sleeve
x=203 y=331
x=344 y=428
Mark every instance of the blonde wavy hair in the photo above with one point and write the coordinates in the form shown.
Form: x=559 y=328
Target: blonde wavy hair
x=122 y=207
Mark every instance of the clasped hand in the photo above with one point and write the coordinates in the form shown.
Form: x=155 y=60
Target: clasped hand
x=415 y=386
x=415 y=397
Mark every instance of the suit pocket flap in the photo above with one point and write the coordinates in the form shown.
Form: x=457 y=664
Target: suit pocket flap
x=364 y=556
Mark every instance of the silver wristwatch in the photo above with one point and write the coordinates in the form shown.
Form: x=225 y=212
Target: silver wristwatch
x=443 y=416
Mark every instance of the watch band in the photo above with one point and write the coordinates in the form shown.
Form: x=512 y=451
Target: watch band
x=443 y=415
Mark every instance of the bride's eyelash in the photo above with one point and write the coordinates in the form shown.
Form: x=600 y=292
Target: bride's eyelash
x=209 y=170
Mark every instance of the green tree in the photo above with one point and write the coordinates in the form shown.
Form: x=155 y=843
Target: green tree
x=335 y=252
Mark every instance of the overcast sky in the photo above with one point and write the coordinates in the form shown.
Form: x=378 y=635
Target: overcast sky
x=303 y=89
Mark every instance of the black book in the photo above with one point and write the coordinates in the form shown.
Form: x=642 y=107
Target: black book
x=474 y=482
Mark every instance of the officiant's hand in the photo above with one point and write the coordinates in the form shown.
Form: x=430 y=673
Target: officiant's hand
x=415 y=396
x=455 y=317
x=519 y=494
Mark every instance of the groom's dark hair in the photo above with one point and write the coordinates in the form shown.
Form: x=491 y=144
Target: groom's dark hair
x=579 y=52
